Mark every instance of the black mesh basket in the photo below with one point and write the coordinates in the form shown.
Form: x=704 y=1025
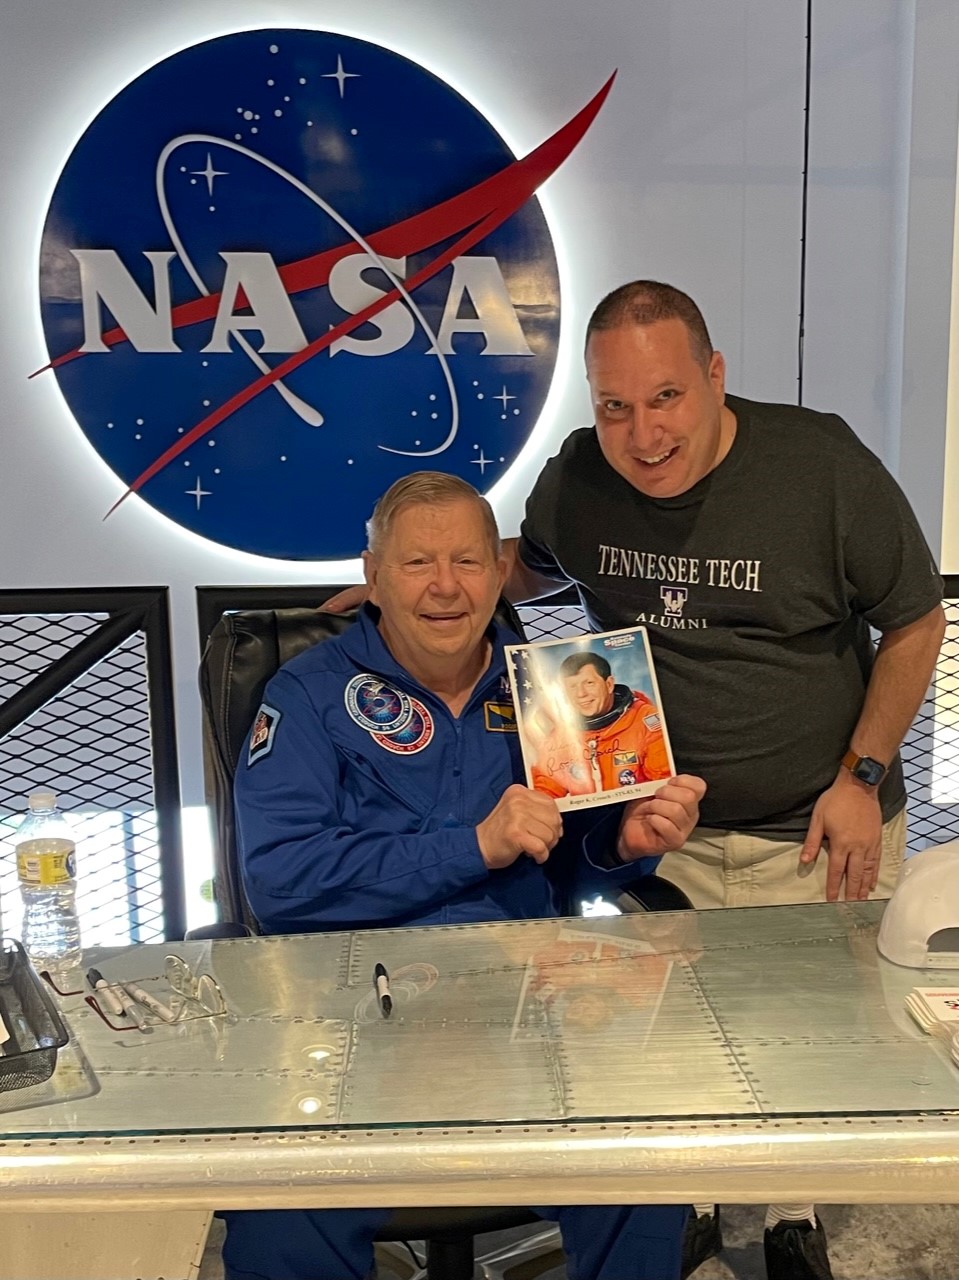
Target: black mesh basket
x=31 y=1023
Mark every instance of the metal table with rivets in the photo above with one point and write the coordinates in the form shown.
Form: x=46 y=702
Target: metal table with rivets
x=736 y=1056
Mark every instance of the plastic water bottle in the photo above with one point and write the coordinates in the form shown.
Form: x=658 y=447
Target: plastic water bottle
x=47 y=870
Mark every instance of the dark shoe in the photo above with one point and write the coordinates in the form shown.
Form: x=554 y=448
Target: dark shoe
x=703 y=1239
x=796 y=1251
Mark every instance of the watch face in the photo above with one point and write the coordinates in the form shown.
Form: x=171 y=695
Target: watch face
x=869 y=770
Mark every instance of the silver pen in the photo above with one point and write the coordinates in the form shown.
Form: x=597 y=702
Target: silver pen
x=131 y=1008
x=150 y=1002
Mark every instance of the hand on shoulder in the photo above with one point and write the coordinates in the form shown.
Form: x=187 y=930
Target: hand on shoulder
x=345 y=600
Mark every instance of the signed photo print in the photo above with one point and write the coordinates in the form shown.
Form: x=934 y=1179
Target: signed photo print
x=590 y=720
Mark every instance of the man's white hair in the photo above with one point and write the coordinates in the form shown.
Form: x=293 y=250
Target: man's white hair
x=428 y=488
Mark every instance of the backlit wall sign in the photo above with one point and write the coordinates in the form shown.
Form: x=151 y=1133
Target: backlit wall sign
x=281 y=269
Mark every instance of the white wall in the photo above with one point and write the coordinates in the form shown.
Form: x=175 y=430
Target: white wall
x=884 y=124
x=692 y=173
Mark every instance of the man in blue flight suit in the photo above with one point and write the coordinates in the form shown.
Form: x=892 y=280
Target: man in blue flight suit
x=378 y=788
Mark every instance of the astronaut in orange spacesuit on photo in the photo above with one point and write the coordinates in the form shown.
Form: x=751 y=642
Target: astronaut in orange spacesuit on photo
x=620 y=742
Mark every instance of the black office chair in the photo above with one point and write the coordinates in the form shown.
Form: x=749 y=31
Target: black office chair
x=243 y=651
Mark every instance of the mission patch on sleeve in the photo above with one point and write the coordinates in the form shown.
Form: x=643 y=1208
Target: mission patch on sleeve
x=264 y=730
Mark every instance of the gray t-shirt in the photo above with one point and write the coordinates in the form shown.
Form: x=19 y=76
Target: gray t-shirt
x=758 y=586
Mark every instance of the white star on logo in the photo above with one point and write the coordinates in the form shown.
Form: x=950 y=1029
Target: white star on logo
x=339 y=75
x=209 y=173
x=198 y=493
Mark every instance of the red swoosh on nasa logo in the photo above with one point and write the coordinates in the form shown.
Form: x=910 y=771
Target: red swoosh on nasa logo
x=487 y=205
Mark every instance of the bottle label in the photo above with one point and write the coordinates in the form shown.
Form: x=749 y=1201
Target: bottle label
x=47 y=867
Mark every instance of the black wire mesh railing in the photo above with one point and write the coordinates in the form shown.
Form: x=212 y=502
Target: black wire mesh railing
x=930 y=752
x=91 y=736
x=92 y=746
x=31 y=642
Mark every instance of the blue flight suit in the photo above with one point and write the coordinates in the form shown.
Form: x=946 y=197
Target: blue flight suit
x=357 y=798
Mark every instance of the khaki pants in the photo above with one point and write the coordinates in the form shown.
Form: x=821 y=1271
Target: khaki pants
x=733 y=869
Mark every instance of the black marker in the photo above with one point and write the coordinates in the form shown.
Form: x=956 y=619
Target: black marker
x=381 y=984
x=103 y=990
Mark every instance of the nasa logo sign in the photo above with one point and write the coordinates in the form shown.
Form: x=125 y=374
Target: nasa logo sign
x=281 y=269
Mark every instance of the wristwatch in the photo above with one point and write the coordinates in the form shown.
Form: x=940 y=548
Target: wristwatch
x=867 y=770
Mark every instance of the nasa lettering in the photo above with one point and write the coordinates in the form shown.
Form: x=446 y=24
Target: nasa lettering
x=283 y=268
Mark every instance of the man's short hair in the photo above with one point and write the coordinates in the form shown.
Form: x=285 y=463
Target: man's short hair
x=574 y=664
x=645 y=302
x=428 y=488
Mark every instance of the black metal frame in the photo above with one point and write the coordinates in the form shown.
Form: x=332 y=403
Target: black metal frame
x=131 y=610
x=213 y=602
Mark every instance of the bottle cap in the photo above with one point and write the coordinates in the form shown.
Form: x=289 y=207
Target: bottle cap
x=43 y=798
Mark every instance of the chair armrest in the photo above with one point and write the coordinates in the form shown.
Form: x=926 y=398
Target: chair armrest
x=222 y=929
x=651 y=893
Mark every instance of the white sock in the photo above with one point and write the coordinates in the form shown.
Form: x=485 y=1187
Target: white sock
x=704 y=1210
x=777 y=1213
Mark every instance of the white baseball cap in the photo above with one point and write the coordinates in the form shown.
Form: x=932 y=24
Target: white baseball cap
x=920 y=926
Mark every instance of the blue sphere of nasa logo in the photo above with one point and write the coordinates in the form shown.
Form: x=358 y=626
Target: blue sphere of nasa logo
x=283 y=268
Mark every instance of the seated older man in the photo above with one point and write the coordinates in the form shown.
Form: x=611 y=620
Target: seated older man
x=375 y=790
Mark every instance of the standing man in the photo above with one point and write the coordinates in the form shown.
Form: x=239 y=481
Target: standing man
x=759 y=544
x=375 y=790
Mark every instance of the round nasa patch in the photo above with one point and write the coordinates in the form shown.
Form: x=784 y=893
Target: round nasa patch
x=376 y=706
x=414 y=737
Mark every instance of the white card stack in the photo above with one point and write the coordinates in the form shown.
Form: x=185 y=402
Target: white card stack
x=936 y=1009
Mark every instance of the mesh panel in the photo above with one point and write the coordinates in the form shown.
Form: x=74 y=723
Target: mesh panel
x=930 y=752
x=31 y=643
x=91 y=744
x=552 y=622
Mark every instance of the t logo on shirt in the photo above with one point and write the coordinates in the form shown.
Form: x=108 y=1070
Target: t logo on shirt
x=674 y=598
